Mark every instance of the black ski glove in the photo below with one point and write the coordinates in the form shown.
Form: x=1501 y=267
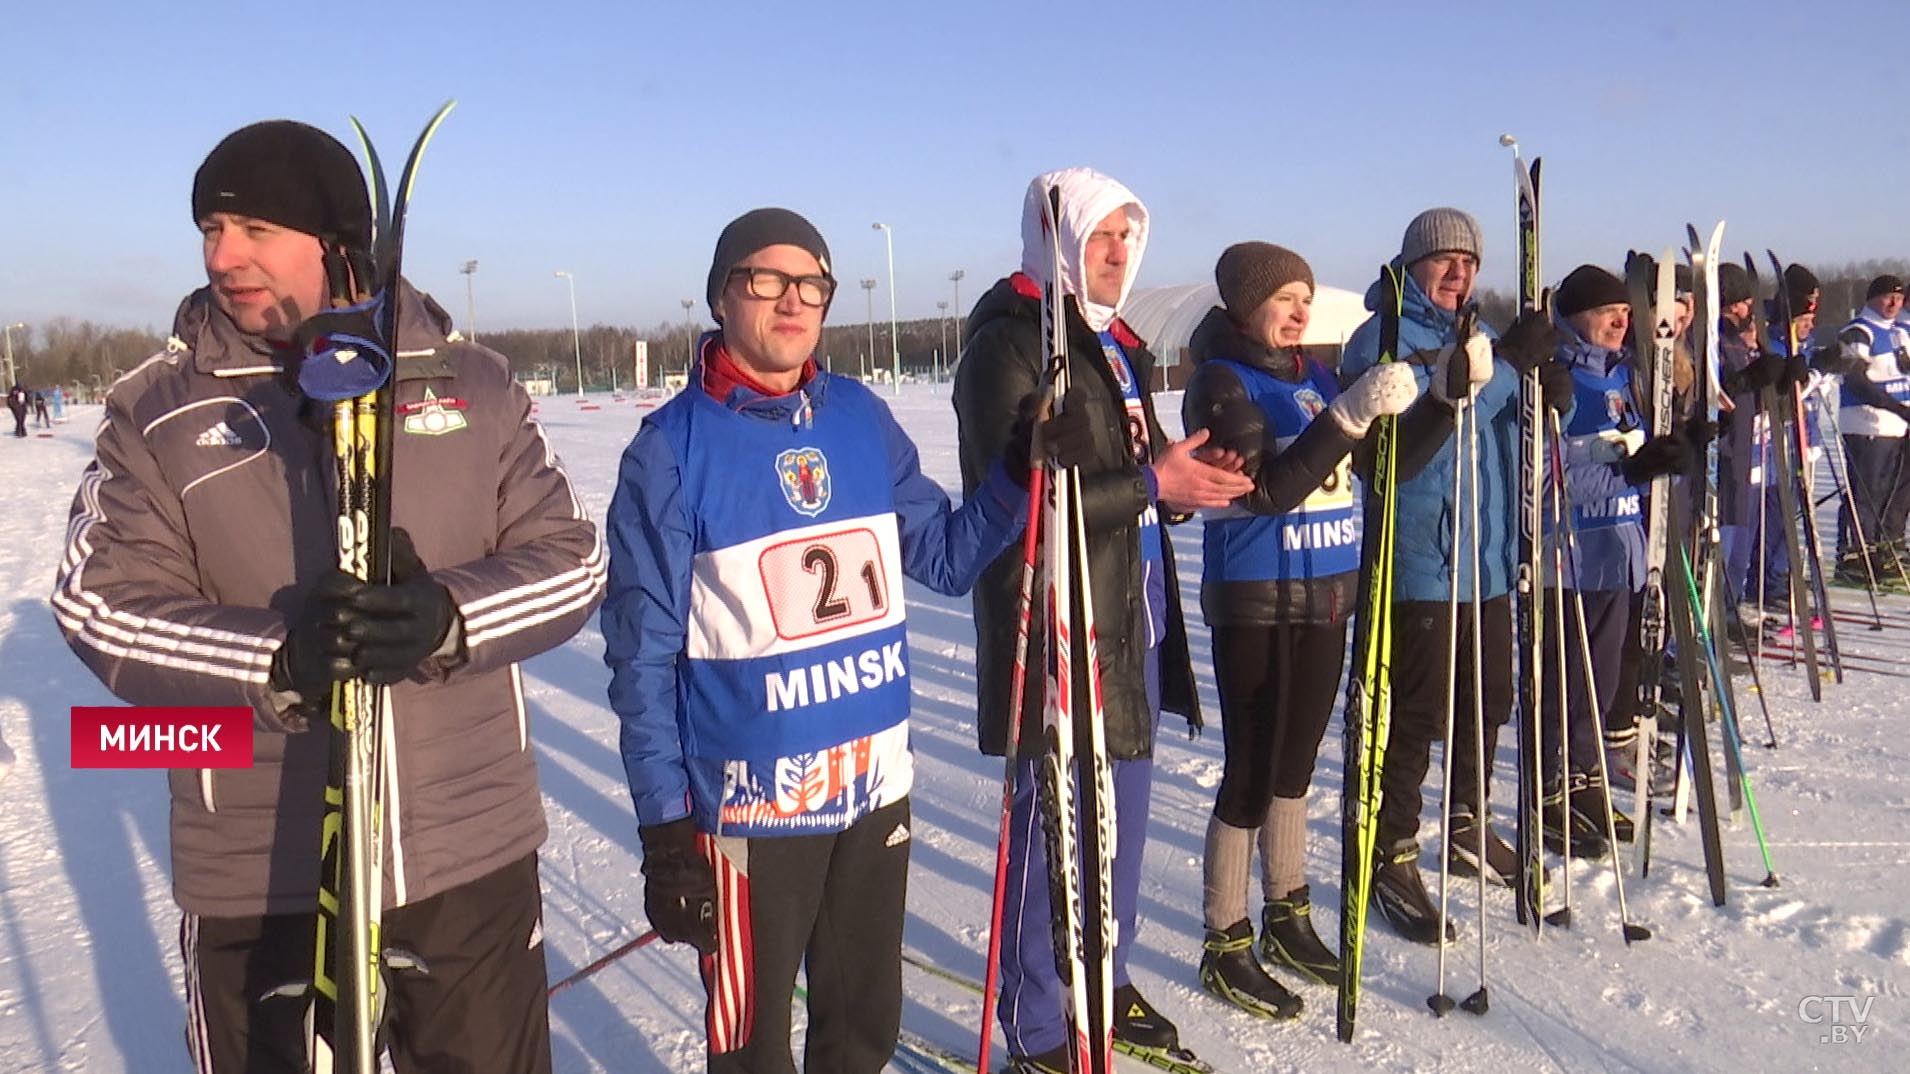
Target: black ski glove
x=1532 y=338
x=1699 y=433
x=397 y=626
x=1797 y=373
x=1669 y=454
x=1764 y=371
x=316 y=652
x=679 y=885
x=1069 y=433
x=1234 y=423
x=1555 y=381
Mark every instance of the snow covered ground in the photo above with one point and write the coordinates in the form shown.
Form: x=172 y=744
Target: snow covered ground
x=1810 y=976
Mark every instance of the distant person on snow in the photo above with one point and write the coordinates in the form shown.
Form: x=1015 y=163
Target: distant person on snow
x=755 y=630
x=17 y=402
x=200 y=570
x=41 y=418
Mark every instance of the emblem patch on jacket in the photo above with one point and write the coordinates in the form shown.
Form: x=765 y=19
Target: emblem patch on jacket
x=433 y=416
x=803 y=475
x=1309 y=402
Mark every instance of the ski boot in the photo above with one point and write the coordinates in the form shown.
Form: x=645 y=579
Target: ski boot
x=1287 y=938
x=1147 y=1035
x=1591 y=801
x=1400 y=893
x=1229 y=971
x=1462 y=853
x=1588 y=837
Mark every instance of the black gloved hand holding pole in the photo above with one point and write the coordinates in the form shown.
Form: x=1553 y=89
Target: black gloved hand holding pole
x=1668 y=454
x=397 y=626
x=679 y=885
x=316 y=652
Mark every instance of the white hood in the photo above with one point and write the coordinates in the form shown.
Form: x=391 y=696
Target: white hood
x=1087 y=197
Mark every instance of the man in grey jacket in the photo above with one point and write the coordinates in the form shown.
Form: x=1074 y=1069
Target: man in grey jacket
x=200 y=571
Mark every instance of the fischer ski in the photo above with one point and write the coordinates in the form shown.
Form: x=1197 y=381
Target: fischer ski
x=1076 y=796
x=356 y=374
x=1529 y=898
x=1367 y=714
x=1654 y=350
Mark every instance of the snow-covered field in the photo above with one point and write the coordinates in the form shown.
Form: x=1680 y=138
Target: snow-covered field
x=1811 y=975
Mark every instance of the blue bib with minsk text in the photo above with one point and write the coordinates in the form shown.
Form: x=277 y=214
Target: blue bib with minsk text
x=1318 y=539
x=795 y=674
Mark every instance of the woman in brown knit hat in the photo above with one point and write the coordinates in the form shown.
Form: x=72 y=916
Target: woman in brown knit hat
x=1281 y=570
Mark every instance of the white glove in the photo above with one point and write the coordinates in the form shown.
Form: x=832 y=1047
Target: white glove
x=1477 y=354
x=1384 y=389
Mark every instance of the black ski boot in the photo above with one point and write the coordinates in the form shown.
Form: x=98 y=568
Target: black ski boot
x=1462 y=854
x=1591 y=801
x=1054 y=1061
x=1229 y=971
x=1401 y=895
x=1138 y=1024
x=1287 y=938
x=1588 y=838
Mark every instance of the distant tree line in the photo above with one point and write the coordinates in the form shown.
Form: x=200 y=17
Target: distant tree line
x=84 y=355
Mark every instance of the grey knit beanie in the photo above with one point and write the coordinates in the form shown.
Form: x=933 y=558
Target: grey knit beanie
x=1249 y=273
x=1439 y=231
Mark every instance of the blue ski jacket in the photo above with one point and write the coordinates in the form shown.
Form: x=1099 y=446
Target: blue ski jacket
x=1424 y=566
x=754 y=624
x=1607 y=511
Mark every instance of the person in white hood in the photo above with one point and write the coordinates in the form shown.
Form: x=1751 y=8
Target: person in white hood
x=1138 y=475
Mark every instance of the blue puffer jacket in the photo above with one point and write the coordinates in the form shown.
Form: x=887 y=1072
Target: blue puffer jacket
x=1423 y=562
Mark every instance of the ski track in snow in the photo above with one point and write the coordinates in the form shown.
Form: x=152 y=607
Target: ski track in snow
x=90 y=974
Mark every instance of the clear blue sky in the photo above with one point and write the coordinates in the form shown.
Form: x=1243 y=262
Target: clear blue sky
x=615 y=139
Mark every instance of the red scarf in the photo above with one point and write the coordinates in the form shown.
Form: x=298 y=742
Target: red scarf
x=722 y=375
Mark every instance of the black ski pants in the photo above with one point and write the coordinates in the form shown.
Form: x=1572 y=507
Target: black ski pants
x=475 y=1005
x=830 y=905
x=1420 y=686
x=1277 y=688
x=1608 y=616
x=1877 y=476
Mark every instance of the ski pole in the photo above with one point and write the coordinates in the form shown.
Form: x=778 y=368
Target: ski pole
x=1024 y=613
x=644 y=940
x=1627 y=928
x=1439 y=1001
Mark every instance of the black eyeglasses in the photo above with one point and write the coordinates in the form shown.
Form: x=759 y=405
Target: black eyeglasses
x=769 y=285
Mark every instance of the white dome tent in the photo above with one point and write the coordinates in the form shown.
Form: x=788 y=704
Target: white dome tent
x=1166 y=317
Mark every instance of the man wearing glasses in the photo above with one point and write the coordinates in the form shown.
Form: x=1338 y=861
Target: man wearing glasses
x=762 y=523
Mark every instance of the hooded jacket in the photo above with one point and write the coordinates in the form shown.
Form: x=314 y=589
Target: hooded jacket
x=1288 y=552
x=1000 y=371
x=1424 y=565
x=207 y=513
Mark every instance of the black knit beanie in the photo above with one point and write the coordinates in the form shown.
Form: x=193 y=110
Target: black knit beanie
x=1884 y=285
x=1734 y=284
x=1248 y=273
x=753 y=231
x=1801 y=285
x=1588 y=287
x=288 y=174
